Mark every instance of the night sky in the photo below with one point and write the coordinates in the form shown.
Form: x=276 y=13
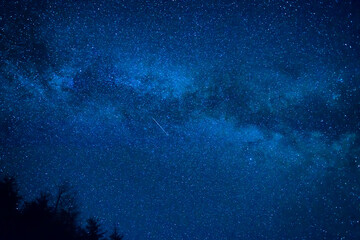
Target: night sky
x=195 y=119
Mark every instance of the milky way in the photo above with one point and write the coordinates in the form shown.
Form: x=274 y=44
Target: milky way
x=188 y=119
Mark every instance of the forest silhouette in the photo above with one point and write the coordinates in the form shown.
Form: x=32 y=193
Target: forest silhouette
x=47 y=217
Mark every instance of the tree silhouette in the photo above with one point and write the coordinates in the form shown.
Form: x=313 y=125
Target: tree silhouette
x=65 y=203
x=9 y=203
x=44 y=218
x=93 y=231
x=37 y=218
x=115 y=235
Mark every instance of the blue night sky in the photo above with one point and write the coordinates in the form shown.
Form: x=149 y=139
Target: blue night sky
x=187 y=119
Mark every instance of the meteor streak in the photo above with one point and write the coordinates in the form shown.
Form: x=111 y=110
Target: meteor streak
x=160 y=126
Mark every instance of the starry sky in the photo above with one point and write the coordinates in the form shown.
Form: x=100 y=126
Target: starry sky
x=184 y=119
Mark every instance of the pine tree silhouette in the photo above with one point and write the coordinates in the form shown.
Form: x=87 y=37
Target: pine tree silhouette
x=9 y=203
x=47 y=217
x=115 y=235
x=93 y=231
